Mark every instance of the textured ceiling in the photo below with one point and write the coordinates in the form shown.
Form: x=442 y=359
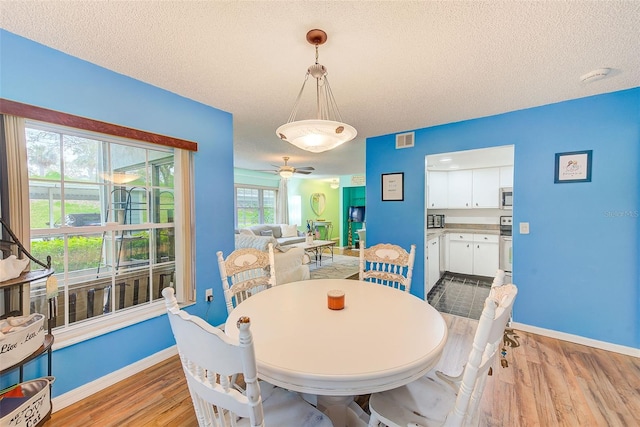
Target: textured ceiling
x=393 y=65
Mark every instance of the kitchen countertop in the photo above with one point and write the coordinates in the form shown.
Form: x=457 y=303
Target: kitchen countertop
x=464 y=228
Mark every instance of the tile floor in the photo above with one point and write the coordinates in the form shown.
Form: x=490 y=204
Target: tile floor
x=460 y=295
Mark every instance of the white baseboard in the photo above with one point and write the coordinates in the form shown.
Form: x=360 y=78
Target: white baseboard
x=77 y=394
x=577 y=339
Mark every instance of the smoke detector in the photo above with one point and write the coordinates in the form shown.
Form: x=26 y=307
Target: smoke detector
x=594 y=75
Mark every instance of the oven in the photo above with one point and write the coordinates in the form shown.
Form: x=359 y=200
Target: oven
x=506 y=243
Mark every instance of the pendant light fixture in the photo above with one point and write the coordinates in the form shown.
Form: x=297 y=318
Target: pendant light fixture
x=326 y=131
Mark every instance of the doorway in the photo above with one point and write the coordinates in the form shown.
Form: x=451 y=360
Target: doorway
x=463 y=214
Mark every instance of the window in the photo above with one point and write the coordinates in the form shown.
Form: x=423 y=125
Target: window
x=104 y=209
x=255 y=205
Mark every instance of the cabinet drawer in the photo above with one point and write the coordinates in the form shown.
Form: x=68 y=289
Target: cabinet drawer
x=486 y=238
x=460 y=237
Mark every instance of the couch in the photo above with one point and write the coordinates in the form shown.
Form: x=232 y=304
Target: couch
x=284 y=234
x=291 y=263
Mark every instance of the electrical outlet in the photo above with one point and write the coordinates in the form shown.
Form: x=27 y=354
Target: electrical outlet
x=209 y=294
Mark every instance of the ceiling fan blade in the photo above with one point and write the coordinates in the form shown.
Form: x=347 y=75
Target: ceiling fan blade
x=302 y=172
x=306 y=168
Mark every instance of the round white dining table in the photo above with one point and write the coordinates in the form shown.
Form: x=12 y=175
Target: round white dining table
x=383 y=338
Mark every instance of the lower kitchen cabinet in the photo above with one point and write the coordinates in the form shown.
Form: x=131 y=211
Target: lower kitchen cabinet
x=486 y=256
x=475 y=254
x=461 y=253
x=433 y=267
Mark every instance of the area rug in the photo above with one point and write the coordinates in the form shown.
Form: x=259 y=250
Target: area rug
x=341 y=267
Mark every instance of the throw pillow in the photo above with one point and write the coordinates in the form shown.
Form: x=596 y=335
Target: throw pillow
x=289 y=230
x=267 y=233
x=246 y=231
x=258 y=242
x=277 y=233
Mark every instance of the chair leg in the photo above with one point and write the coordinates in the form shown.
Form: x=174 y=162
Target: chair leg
x=373 y=421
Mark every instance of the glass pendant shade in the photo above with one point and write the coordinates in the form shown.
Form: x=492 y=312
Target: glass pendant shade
x=316 y=135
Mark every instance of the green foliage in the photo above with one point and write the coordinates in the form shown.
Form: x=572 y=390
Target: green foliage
x=84 y=252
x=40 y=211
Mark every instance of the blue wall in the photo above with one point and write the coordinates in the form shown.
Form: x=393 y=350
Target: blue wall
x=34 y=74
x=577 y=271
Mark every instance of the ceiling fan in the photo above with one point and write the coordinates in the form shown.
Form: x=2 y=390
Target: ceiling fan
x=286 y=170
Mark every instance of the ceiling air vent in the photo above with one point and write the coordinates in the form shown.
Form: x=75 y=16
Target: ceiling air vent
x=405 y=140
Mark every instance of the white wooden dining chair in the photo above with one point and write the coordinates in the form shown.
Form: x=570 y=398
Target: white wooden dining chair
x=246 y=272
x=498 y=279
x=496 y=288
x=430 y=402
x=387 y=264
x=210 y=359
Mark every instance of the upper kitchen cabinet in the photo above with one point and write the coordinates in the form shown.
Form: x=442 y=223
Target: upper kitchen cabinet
x=460 y=189
x=468 y=179
x=437 y=190
x=486 y=188
x=478 y=188
x=506 y=176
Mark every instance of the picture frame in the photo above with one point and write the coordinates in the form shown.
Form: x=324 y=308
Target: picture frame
x=573 y=166
x=393 y=187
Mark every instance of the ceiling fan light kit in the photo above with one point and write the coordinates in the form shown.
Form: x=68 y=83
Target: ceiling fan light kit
x=326 y=131
x=286 y=171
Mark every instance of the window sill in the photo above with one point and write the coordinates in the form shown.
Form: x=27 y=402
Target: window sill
x=100 y=326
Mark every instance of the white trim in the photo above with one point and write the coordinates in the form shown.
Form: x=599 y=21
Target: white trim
x=577 y=339
x=77 y=394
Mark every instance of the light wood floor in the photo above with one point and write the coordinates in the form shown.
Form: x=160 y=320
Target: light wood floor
x=548 y=383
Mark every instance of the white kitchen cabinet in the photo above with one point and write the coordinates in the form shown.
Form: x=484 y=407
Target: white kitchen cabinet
x=485 y=188
x=506 y=176
x=477 y=188
x=460 y=189
x=486 y=256
x=461 y=253
x=438 y=190
x=475 y=254
x=433 y=256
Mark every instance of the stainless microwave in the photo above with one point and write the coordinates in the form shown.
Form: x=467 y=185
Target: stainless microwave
x=506 y=198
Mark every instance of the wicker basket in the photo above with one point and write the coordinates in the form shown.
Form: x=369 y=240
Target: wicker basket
x=27 y=404
x=21 y=336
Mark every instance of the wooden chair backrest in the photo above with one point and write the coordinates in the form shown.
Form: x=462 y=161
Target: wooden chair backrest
x=387 y=264
x=246 y=272
x=209 y=360
x=486 y=344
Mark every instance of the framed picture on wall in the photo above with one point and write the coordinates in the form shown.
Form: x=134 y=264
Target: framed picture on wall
x=573 y=166
x=393 y=187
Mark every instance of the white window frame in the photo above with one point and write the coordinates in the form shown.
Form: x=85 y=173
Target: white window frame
x=261 y=201
x=71 y=334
